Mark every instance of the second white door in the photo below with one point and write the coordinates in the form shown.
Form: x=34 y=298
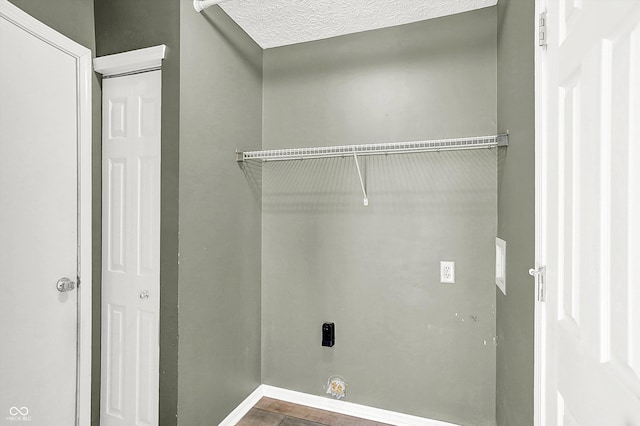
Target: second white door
x=589 y=163
x=130 y=249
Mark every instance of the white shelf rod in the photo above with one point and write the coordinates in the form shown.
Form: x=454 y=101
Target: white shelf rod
x=476 y=142
x=200 y=5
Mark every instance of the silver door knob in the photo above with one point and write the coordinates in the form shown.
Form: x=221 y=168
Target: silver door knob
x=65 y=284
x=144 y=294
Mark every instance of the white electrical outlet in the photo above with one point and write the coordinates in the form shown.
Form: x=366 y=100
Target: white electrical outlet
x=447 y=272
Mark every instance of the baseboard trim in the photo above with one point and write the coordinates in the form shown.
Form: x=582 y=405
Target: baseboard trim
x=341 y=407
x=244 y=407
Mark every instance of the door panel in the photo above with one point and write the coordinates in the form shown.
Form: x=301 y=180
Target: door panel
x=131 y=249
x=38 y=229
x=591 y=238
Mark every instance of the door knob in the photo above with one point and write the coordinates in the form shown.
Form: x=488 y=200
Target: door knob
x=65 y=284
x=144 y=294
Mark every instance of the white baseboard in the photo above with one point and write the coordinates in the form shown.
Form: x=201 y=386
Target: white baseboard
x=322 y=403
x=244 y=407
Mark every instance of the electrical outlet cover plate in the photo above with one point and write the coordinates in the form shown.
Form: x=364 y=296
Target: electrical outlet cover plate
x=447 y=272
x=501 y=253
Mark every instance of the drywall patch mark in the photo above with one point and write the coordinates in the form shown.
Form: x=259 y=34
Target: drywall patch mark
x=336 y=387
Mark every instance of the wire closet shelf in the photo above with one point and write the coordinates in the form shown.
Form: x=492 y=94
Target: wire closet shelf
x=476 y=142
x=354 y=151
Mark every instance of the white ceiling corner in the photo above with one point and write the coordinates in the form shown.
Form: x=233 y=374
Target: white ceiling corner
x=273 y=23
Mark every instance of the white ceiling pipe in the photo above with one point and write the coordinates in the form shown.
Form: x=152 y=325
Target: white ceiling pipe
x=200 y=5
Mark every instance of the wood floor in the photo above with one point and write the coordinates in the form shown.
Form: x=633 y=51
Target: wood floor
x=272 y=412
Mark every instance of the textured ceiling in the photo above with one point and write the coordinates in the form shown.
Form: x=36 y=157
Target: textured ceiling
x=273 y=23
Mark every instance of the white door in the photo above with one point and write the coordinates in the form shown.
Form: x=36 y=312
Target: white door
x=589 y=158
x=41 y=132
x=131 y=249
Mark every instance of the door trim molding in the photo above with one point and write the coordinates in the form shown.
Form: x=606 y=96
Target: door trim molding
x=82 y=57
x=130 y=62
x=539 y=378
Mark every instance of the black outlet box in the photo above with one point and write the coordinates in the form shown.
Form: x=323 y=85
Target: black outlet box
x=328 y=334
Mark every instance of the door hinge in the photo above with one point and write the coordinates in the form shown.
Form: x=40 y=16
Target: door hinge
x=542 y=29
x=540 y=280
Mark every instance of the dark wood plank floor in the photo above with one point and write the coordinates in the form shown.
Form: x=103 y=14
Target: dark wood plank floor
x=272 y=412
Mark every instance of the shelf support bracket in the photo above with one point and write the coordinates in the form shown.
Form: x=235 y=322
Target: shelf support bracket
x=503 y=139
x=364 y=191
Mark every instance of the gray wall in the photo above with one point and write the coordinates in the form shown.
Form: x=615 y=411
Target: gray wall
x=516 y=219
x=404 y=341
x=123 y=25
x=220 y=259
x=74 y=19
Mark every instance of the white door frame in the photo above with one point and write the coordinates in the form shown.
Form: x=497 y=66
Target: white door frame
x=540 y=220
x=82 y=57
